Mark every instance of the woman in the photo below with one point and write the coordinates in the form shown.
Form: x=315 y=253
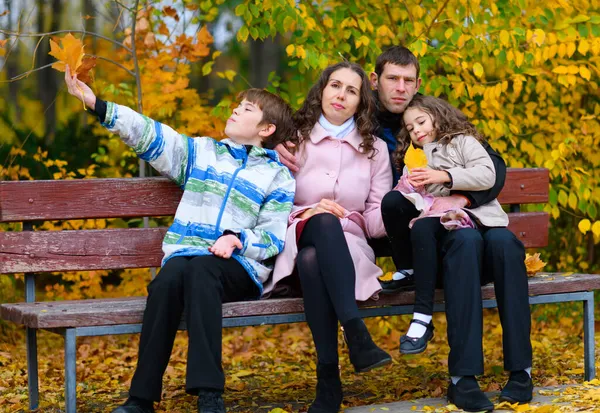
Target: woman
x=344 y=173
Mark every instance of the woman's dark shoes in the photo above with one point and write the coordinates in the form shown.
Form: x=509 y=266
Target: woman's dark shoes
x=210 y=401
x=364 y=353
x=329 y=390
x=518 y=389
x=135 y=405
x=415 y=345
x=467 y=395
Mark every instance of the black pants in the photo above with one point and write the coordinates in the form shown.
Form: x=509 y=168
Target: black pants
x=425 y=236
x=195 y=287
x=469 y=259
x=327 y=277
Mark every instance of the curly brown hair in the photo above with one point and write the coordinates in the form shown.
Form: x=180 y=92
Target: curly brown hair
x=448 y=122
x=308 y=115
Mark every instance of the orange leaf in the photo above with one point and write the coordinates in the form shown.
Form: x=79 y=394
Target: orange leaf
x=4 y=13
x=71 y=53
x=3 y=42
x=204 y=36
x=162 y=29
x=171 y=12
x=533 y=263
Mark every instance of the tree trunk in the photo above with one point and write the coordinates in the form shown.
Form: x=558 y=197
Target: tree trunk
x=265 y=57
x=48 y=79
x=12 y=68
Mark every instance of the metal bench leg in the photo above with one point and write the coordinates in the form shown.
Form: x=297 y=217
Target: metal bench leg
x=70 y=371
x=32 y=369
x=588 y=337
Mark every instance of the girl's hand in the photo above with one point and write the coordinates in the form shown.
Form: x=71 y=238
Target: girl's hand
x=79 y=89
x=325 y=206
x=225 y=245
x=424 y=176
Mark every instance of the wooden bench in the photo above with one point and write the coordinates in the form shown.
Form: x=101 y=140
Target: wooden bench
x=33 y=252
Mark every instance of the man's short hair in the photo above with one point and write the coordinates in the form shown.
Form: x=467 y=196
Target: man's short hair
x=396 y=55
x=276 y=111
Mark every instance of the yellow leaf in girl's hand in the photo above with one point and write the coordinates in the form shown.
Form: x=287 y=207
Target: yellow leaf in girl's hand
x=415 y=158
x=533 y=263
x=71 y=53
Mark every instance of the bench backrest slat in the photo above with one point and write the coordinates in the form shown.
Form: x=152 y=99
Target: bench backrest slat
x=138 y=197
x=47 y=251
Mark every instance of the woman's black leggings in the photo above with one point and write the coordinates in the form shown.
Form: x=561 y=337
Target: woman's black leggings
x=327 y=277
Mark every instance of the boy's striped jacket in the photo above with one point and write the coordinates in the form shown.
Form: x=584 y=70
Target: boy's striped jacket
x=225 y=187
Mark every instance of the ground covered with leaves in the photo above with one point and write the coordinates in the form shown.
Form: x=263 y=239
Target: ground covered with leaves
x=273 y=367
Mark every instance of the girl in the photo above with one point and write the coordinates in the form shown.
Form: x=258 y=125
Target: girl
x=456 y=160
x=344 y=173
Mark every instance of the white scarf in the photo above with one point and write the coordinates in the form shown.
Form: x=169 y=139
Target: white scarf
x=336 y=131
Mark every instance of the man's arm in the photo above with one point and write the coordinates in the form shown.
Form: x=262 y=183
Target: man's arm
x=478 y=198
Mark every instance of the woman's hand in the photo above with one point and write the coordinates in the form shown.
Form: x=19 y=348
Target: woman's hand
x=80 y=90
x=424 y=176
x=325 y=206
x=225 y=245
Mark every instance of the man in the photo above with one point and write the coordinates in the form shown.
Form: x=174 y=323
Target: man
x=500 y=256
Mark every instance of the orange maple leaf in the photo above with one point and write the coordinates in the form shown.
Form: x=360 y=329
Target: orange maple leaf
x=533 y=263
x=71 y=53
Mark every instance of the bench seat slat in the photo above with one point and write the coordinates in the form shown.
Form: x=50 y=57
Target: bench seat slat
x=109 y=249
x=129 y=310
x=137 y=197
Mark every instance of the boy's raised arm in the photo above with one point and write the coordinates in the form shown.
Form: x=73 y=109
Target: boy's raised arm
x=166 y=150
x=266 y=239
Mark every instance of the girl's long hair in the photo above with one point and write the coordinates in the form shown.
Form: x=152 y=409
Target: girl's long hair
x=448 y=123
x=308 y=115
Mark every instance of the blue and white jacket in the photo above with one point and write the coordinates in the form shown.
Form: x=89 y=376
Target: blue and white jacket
x=225 y=187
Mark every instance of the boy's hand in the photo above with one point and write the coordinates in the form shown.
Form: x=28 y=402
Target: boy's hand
x=286 y=157
x=225 y=246
x=79 y=89
x=424 y=176
x=325 y=206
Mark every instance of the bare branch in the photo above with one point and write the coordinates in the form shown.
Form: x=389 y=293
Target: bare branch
x=17 y=34
x=410 y=16
x=426 y=32
x=23 y=75
x=116 y=64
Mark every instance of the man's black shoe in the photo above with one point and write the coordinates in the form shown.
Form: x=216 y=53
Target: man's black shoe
x=393 y=286
x=467 y=395
x=210 y=401
x=134 y=405
x=518 y=389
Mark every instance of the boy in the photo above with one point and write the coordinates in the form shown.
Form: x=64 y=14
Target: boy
x=231 y=219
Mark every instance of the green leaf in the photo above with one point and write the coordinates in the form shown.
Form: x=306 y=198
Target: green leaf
x=553 y=196
x=572 y=200
x=240 y=9
x=591 y=210
x=207 y=68
x=243 y=33
x=563 y=198
x=254 y=10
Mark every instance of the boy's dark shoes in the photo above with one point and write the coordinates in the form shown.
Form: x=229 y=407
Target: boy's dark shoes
x=329 y=390
x=135 y=405
x=518 y=389
x=210 y=401
x=467 y=395
x=412 y=345
x=394 y=286
x=364 y=353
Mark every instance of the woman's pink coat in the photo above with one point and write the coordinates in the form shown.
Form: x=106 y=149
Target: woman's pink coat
x=335 y=169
